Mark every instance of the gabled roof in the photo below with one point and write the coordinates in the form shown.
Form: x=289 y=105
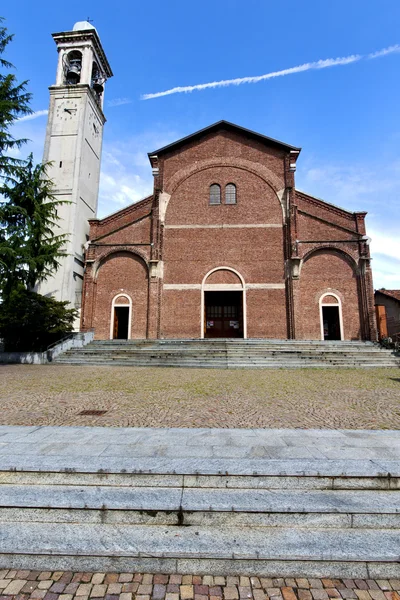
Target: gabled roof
x=228 y=127
x=394 y=294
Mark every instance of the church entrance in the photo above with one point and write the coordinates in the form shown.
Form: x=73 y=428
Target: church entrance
x=223 y=314
x=331 y=322
x=121 y=322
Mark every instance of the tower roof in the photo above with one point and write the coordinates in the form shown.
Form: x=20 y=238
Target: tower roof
x=83 y=26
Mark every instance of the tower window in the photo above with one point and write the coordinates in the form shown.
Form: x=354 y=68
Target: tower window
x=230 y=193
x=72 y=63
x=215 y=194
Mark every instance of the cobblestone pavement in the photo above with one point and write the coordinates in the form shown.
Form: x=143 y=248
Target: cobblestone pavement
x=156 y=397
x=59 y=585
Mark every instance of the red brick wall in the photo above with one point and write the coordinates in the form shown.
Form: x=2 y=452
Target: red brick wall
x=262 y=255
x=326 y=271
x=121 y=273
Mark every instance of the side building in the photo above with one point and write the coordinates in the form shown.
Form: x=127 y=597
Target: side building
x=227 y=247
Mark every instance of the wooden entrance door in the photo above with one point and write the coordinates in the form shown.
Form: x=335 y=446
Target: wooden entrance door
x=121 y=323
x=223 y=314
x=331 y=322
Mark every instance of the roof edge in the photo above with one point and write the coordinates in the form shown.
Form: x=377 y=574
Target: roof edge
x=221 y=124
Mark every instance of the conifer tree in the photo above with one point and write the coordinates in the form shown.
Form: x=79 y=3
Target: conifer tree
x=14 y=104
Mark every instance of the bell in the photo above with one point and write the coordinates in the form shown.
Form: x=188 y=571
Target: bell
x=98 y=88
x=74 y=71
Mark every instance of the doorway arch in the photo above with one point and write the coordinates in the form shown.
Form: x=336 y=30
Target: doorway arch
x=121 y=317
x=331 y=318
x=235 y=321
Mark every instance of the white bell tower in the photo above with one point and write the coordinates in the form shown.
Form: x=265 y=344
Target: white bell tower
x=73 y=144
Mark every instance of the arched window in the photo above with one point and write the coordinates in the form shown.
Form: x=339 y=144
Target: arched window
x=72 y=67
x=215 y=194
x=230 y=193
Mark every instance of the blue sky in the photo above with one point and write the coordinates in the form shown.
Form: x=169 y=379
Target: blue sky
x=345 y=116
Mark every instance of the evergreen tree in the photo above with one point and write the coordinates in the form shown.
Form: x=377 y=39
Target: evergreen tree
x=29 y=249
x=14 y=104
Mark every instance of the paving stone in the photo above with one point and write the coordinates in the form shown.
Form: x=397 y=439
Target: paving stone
x=138 y=577
x=244 y=581
x=44 y=575
x=290 y=583
x=14 y=587
x=197 y=579
x=65 y=597
x=363 y=594
x=176 y=579
x=361 y=584
x=145 y=589
x=98 y=590
x=187 y=580
x=384 y=584
x=255 y=582
x=231 y=593
x=163 y=579
x=333 y=593
x=395 y=583
x=202 y=590
x=349 y=583
x=207 y=580
x=29 y=587
x=302 y=583
x=219 y=581
x=143 y=597
x=125 y=596
x=45 y=584
x=319 y=594
x=372 y=585
x=111 y=578
x=245 y=591
x=115 y=588
x=98 y=578
x=186 y=591
x=200 y=597
x=172 y=596
x=377 y=594
x=216 y=590
x=58 y=588
x=316 y=583
x=38 y=594
x=51 y=596
x=71 y=587
x=130 y=587
x=348 y=593
x=84 y=589
x=259 y=594
x=172 y=588
x=4 y=583
x=159 y=591
x=278 y=582
x=304 y=594
x=147 y=579
x=58 y=574
x=288 y=593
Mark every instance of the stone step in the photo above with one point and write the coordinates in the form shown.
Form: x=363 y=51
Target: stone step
x=72 y=477
x=335 y=552
x=190 y=506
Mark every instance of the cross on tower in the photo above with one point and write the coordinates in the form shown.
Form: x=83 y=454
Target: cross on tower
x=89 y=20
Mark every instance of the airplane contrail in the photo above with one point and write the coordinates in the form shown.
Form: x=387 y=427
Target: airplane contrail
x=319 y=64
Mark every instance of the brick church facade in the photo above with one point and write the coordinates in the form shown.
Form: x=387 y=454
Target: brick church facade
x=227 y=247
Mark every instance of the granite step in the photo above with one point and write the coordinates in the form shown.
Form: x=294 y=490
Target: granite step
x=189 y=506
x=298 y=552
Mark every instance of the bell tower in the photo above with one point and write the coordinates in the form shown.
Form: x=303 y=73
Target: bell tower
x=73 y=145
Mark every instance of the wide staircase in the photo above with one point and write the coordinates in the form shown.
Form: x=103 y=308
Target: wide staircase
x=231 y=354
x=190 y=515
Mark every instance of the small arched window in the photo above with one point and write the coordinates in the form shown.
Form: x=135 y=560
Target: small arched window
x=215 y=194
x=230 y=193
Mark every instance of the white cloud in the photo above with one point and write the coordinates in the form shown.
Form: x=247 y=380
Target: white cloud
x=35 y=115
x=385 y=51
x=118 y=102
x=372 y=188
x=126 y=172
x=319 y=64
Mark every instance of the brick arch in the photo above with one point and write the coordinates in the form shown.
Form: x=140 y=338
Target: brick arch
x=115 y=252
x=334 y=250
x=328 y=271
x=257 y=169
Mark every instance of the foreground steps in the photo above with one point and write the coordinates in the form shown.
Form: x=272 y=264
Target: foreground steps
x=130 y=508
x=231 y=354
